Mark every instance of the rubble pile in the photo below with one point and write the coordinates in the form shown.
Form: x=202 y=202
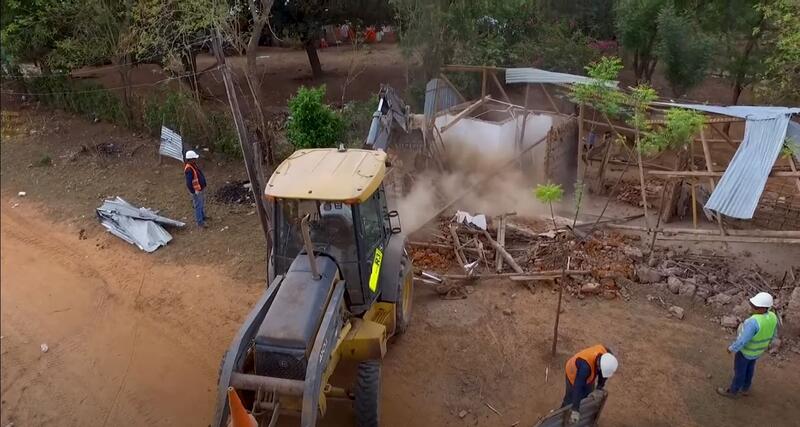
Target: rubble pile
x=631 y=193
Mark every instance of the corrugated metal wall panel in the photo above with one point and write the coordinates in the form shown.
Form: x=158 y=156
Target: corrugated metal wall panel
x=171 y=144
x=535 y=75
x=440 y=92
x=741 y=185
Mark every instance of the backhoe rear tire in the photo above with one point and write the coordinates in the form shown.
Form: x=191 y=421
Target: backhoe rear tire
x=368 y=394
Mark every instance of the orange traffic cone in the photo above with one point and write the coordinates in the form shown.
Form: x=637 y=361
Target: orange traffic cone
x=239 y=415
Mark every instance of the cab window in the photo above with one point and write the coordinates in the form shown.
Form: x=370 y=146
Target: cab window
x=372 y=224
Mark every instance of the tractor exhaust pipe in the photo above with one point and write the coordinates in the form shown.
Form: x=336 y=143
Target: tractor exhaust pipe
x=309 y=247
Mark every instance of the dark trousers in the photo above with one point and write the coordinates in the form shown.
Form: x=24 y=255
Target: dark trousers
x=587 y=389
x=743 y=369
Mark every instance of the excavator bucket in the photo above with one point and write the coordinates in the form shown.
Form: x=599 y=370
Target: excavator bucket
x=239 y=416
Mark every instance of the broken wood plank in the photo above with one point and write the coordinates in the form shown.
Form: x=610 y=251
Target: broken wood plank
x=550 y=98
x=728 y=238
x=500 y=86
x=513 y=264
x=462 y=260
x=501 y=240
x=534 y=275
x=706 y=232
x=463 y=114
x=550 y=276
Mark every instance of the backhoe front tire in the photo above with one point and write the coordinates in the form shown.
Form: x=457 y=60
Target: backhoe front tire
x=368 y=394
x=405 y=298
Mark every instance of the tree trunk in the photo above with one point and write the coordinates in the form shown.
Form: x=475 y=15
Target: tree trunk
x=260 y=16
x=313 y=58
x=673 y=188
x=124 y=64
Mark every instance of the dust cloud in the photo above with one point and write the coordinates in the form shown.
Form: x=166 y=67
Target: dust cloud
x=508 y=191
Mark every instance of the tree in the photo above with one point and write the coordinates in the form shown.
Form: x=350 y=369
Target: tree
x=781 y=79
x=32 y=29
x=173 y=32
x=685 y=59
x=638 y=33
x=304 y=19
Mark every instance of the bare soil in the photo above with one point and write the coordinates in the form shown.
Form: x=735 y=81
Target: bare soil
x=135 y=339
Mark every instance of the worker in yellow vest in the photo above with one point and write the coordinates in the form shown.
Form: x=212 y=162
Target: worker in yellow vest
x=755 y=335
x=582 y=369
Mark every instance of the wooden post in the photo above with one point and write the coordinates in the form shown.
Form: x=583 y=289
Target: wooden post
x=500 y=87
x=709 y=168
x=793 y=167
x=693 y=185
x=558 y=307
x=452 y=86
x=527 y=91
x=501 y=240
x=247 y=148
x=483 y=83
x=641 y=179
x=550 y=98
x=581 y=164
x=598 y=184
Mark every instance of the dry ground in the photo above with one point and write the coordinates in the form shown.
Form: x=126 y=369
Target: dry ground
x=135 y=339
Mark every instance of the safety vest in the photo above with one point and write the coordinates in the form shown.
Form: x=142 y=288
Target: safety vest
x=767 y=323
x=195 y=175
x=590 y=355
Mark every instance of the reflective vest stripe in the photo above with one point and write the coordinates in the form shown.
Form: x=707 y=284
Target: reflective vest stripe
x=195 y=177
x=590 y=355
x=767 y=323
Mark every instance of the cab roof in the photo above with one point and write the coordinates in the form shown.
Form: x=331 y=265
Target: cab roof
x=349 y=176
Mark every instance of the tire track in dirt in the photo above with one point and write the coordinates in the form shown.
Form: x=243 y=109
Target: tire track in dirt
x=116 y=325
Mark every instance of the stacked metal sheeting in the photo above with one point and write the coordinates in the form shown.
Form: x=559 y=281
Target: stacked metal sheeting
x=137 y=226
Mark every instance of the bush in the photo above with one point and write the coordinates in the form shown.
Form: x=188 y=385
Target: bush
x=357 y=116
x=313 y=124
x=88 y=99
x=223 y=135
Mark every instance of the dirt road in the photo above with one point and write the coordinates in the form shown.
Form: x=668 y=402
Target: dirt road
x=130 y=342
x=135 y=342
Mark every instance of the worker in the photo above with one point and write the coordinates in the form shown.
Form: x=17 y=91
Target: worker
x=755 y=335
x=196 y=183
x=595 y=362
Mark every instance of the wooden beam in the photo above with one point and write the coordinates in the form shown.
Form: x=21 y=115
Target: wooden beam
x=463 y=114
x=619 y=129
x=509 y=259
x=708 y=120
x=712 y=174
x=452 y=86
x=500 y=86
x=705 y=232
x=549 y=98
x=794 y=169
x=738 y=239
x=724 y=135
x=470 y=68
x=581 y=128
x=527 y=91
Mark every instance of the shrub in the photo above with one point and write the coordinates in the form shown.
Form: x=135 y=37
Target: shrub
x=88 y=99
x=357 y=116
x=313 y=124
x=223 y=135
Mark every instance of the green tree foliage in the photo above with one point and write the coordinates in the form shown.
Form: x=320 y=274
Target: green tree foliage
x=685 y=59
x=32 y=29
x=488 y=32
x=781 y=79
x=549 y=193
x=313 y=124
x=681 y=126
x=638 y=33
x=601 y=93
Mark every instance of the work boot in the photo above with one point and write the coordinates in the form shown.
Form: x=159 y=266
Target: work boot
x=725 y=392
x=745 y=392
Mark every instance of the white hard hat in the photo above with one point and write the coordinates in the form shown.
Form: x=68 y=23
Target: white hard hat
x=762 y=300
x=608 y=365
x=191 y=154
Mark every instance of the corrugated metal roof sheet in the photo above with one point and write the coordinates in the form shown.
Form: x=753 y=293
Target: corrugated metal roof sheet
x=741 y=185
x=171 y=144
x=535 y=75
x=437 y=90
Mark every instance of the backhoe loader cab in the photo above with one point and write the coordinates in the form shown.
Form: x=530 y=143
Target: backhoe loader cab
x=342 y=287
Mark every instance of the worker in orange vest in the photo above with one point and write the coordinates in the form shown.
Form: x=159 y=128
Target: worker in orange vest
x=595 y=362
x=195 y=183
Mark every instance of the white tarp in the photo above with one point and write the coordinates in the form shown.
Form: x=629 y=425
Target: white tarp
x=137 y=226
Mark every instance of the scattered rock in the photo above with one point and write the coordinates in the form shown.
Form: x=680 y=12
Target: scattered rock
x=709 y=376
x=591 y=288
x=702 y=293
x=742 y=310
x=469 y=288
x=687 y=289
x=44 y=348
x=792 y=312
x=508 y=311
x=646 y=274
x=719 y=300
x=674 y=284
x=652 y=262
x=775 y=346
x=729 y=321
x=22 y=194
x=462 y=414
x=633 y=252
x=677 y=312
x=609 y=294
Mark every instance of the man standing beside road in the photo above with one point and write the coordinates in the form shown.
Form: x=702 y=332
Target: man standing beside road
x=595 y=362
x=196 y=183
x=755 y=335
